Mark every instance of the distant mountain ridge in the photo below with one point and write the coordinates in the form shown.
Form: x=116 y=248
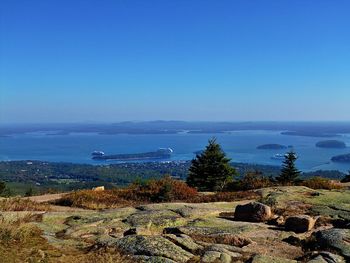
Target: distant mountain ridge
x=314 y=129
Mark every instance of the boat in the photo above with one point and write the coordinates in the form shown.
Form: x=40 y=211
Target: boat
x=97 y=153
x=282 y=156
x=278 y=156
x=161 y=153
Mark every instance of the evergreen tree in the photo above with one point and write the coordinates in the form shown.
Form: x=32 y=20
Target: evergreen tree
x=346 y=179
x=29 y=192
x=210 y=170
x=289 y=172
x=2 y=187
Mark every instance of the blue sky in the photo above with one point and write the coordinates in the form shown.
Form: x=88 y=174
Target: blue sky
x=66 y=61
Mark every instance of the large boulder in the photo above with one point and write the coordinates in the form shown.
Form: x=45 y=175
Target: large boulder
x=299 y=223
x=253 y=212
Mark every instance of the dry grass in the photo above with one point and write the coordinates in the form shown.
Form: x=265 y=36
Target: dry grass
x=97 y=255
x=90 y=199
x=18 y=204
x=22 y=241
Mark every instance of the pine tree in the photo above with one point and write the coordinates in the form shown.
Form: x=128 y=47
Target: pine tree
x=346 y=179
x=289 y=172
x=2 y=187
x=210 y=170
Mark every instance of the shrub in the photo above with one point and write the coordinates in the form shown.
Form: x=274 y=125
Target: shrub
x=346 y=179
x=2 y=187
x=320 y=183
x=161 y=190
x=172 y=190
x=254 y=180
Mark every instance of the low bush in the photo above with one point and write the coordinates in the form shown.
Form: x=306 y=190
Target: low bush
x=152 y=191
x=346 y=178
x=162 y=190
x=321 y=183
x=254 y=180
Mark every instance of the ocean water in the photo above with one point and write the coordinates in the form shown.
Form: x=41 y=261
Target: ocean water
x=239 y=145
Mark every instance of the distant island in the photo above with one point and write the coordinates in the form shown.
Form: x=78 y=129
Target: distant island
x=272 y=146
x=308 y=133
x=311 y=129
x=331 y=144
x=343 y=158
x=161 y=153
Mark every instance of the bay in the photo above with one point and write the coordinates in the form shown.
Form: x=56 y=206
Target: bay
x=239 y=145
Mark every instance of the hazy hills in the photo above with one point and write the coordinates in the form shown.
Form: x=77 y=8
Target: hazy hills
x=314 y=129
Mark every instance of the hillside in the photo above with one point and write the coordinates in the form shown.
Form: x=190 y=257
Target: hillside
x=46 y=176
x=199 y=232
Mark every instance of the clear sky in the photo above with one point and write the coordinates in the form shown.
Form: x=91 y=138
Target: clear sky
x=114 y=60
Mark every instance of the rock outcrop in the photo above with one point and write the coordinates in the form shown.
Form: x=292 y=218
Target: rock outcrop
x=334 y=239
x=326 y=257
x=181 y=232
x=155 y=246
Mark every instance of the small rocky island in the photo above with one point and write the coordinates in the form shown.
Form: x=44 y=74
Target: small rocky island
x=271 y=146
x=331 y=144
x=343 y=158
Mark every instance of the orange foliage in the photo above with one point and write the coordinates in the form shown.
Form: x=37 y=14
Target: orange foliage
x=321 y=183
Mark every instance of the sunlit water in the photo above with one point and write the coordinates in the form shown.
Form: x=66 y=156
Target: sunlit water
x=239 y=145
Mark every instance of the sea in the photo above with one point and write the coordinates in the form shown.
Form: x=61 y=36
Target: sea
x=241 y=146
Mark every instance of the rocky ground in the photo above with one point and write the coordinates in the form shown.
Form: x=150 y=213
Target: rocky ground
x=305 y=225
